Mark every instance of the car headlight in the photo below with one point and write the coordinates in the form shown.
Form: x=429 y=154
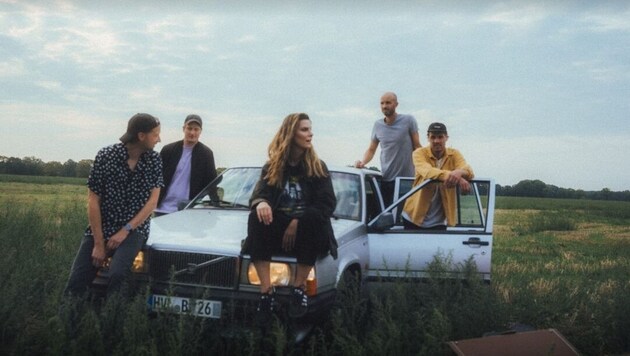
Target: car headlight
x=139 y=264
x=280 y=274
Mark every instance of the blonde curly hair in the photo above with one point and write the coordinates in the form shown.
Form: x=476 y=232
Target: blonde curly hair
x=280 y=148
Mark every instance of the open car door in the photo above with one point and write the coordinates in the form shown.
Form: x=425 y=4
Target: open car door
x=399 y=253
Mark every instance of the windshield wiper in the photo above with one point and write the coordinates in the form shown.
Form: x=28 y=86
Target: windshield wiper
x=227 y=204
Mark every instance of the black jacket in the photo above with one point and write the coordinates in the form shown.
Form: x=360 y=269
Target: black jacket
x=202 y=168
x=320 y=203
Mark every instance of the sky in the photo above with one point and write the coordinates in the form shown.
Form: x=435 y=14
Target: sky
x=527 y=89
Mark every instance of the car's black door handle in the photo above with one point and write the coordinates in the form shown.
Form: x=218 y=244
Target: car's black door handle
x=475 y=241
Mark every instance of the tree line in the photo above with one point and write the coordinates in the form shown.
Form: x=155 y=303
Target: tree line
x=33 y=166
x=537 y=188
x=525 y=188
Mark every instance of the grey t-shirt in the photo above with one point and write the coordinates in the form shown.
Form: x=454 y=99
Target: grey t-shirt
x=396 y=146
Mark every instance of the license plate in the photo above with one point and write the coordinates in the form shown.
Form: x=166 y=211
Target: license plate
x=197 y=307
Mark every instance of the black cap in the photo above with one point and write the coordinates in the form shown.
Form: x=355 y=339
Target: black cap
x=193 y=118
x=437 y=127
x=140 y=122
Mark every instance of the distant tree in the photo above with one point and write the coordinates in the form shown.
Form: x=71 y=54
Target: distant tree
x=579 y=194
x=3 y=164
x=504 y=190
x=551 y=191
x=53 y=169
x=34 y=166
x=69 y=168
x=83 y=168
x=529 y=188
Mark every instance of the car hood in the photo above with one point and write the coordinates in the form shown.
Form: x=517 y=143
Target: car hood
x=210 y=231
x=200 y=231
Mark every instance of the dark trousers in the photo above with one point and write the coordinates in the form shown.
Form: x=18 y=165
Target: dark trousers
x=266 y=240
x=387 y=189
x=83 y=271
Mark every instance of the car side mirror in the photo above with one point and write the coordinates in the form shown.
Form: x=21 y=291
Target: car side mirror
x=384 y=221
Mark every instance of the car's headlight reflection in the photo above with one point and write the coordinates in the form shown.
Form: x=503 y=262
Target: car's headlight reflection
x=280 y=274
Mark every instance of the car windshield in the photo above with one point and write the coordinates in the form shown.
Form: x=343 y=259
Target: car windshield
x=347 y=191
x=232 y=189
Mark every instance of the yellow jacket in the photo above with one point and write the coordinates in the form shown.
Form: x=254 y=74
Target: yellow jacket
x=425 y=165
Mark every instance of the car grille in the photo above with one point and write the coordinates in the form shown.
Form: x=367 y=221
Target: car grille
x=193 y=268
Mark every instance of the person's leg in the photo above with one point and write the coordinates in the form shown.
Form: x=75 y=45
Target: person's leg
x=259 y=236
x=309 y=242
x=82 y=272
x=263 y=271
x=387 y=190
x=301 y=274
x=122 y=260
x=264 y=241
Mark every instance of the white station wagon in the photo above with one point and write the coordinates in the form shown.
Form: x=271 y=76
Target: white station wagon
x=193 y=261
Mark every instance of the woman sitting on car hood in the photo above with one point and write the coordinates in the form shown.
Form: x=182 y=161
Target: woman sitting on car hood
x=291 y=209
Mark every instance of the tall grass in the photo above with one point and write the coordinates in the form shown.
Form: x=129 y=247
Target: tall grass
x=41 y=179
x=570 y=274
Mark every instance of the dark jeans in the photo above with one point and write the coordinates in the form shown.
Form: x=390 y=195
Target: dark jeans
x=387 y=190
x=83 y=272
x=266 y=240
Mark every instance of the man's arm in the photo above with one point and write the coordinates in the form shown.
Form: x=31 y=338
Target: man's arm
x=140 y=217
x=415 y=140
x=461 y=174
x=368 y=155
x=95 y=221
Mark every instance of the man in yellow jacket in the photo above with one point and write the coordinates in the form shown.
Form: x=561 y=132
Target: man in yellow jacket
x=435 y=205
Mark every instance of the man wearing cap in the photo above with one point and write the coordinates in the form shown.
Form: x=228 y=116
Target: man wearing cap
x=188 y=167
x=123 y=189
x=398 y=136
x=434 y=206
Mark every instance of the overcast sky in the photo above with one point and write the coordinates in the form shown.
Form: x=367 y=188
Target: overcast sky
x=527 y=89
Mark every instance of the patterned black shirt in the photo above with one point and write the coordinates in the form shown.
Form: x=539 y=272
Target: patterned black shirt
x=123 y=192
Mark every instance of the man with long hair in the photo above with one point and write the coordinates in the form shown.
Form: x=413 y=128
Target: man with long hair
x=291 y=209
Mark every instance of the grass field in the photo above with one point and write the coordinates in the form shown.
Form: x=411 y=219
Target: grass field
x=560 y=264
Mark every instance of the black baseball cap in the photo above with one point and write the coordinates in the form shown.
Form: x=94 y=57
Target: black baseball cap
x=140 y=122
x=437 y=127
x=193 y=118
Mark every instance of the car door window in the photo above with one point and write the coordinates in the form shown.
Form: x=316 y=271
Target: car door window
x=347 y=187
x=471 y=208
x=372 y=199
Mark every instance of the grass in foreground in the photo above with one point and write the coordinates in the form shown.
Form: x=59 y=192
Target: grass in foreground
x=570 y=278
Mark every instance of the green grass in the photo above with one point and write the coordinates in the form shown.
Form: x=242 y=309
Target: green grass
x=41 y=179
x=556 y=264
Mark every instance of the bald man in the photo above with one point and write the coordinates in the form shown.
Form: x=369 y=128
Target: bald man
x=398 y=137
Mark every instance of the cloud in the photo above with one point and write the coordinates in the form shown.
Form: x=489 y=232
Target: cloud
x=247 y=39
x=603 y=72
x=181 y=27
x=610 y=21
x=12 y=68
x=90 y=43
x=49 y=85
x=516 y=17
x=22 y=24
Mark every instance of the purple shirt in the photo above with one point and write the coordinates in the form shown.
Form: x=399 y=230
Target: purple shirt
x=179 y=190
